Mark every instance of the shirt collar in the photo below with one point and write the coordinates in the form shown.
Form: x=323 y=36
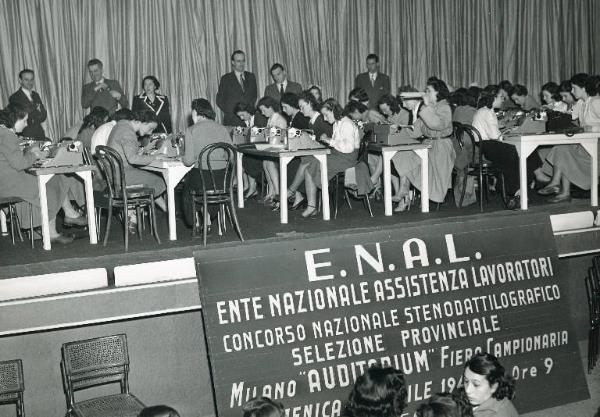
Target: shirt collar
x=314 y=118
x=27 y=92
x=373 y=75
x=101 y=81
x=237 y=74
x=284 y=84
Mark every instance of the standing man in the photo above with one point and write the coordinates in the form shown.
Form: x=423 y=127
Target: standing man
x=282 y=84
x=237 y=86
x=101 y=91
x=26 y=97
x=373 y=82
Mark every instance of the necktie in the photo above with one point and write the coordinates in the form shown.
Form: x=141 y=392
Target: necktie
x=281 y=90
x=242 y=81
x=373 y=80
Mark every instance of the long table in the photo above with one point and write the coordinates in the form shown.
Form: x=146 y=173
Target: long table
x=43 y=176
x=173 y=171
x=526 y=144
x=284 y=158
x=387 y=153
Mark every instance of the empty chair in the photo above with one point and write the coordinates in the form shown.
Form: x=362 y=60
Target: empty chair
x=121 y=196
x=11 y=384
x=93 y=362
x=216 y=169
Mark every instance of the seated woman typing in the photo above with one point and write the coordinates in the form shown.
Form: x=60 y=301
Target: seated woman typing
x=552 y=98
x=521 y=97
x=503 y=155
x=571 y=163
x=434 y=123
x=252 y=165
x=270 y=108
x=204 y=132
x=124 y=139
x=344 y=144
x=16 y=182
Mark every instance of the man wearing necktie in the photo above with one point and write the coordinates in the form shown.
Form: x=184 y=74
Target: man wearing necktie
x=31 y=100
x=102 y=92
x=281 y=84
x=376 y=84
x=237 y=86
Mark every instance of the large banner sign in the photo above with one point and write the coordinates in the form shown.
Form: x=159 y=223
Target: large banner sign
x=300 y=320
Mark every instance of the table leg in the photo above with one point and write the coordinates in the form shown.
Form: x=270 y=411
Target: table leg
x=324 y=185
x=239 y=169
x=42 y=180
x=171 y=204
x=86 y=176
x=524 y=150
x=387 y=156
x=592 y=148
x=3 y=228
x=283 y=203
x=424 y=155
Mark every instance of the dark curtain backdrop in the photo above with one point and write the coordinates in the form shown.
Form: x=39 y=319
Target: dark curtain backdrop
x=187 y=43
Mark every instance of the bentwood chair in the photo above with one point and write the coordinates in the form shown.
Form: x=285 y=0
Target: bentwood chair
x=93 y=362
x=11 y=384
x=121 y=196
x=216 y=188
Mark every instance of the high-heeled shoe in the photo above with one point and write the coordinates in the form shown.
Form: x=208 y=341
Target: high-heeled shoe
x=560 y=198
x=549 y=190
x=251 y=195
x=310 y=211
x=403 y=204
x=299 y=204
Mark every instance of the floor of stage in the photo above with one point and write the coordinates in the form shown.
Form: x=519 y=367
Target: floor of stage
x=259 y=222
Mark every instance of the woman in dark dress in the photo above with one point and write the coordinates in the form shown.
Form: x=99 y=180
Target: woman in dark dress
x=149 y=99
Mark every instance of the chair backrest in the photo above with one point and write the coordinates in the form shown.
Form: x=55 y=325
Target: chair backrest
x=225 y=154
x=111 y=166
x=474 y=137
x=92 y=362
x=363 y=150
x=11 y=377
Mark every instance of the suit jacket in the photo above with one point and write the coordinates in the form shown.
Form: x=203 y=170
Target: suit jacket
x=272 y=90
x=37 y=113
x=102 y=98
x=382 y=86
x=160 y=107
x=230 y=93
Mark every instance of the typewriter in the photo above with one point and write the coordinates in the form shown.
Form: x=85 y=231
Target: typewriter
x=66 y=153
x=522 y=123
x=383 y=135
x=259 y=135
x=240 y=135
x=299 y=139
x=162 y=144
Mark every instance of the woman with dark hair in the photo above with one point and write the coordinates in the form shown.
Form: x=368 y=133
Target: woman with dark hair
x=552 y=98
x=571 y=163
x=520 y=95
x=506 y=90
x=16 y=182
x=446 y=404
x=263 y=407
x=316 y=92
x=253 y=166
x=290 y=106
x=379 y=392
x=205 y=131
x=371 y=115
x=124 y=139
x=394 y=113
x=503 y=155
x=158 y=411
x=464 y=106
x=434 y=123
x=489 y=387
x=149 y=99
x=270 y=108
x=344 y=144
x=566 y=94
x=97 y=117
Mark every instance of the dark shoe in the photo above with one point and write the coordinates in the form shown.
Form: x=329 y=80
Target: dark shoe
x=560 y=198
x=549 y=190
x=80 y=221
x=62 y=239
x=514 y=203
x=275 y=206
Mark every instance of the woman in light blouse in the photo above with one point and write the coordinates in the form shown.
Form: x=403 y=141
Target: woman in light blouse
x=270 y=108
x=571 y=163
x=502 y=155
x=344 y=144
x=435 y=124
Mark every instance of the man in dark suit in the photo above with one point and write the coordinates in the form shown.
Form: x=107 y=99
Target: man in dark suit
x=31 y=100
x=101 y=91
x=237 y=86
x=282 y=84
x=373 y=82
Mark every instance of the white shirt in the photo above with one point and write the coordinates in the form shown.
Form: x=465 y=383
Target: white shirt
x=100 y=136
x=373 y=77
x=250 y=122
x=284 y=83
x=346 y=137
x=486 y=122
x=239 y=76
x=27 y=93
x=277 y=120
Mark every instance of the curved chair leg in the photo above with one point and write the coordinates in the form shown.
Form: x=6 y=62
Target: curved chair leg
x=481 y=185
x=138 y=215
x=108 y=223
x=153 y=225
x=205 y=217
x=18 y=224
x=195 y=219
x=366 y=197
x=11 y=215
x=31 y=225
x=464 y=187
x=126 y=227
x=235 y=220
